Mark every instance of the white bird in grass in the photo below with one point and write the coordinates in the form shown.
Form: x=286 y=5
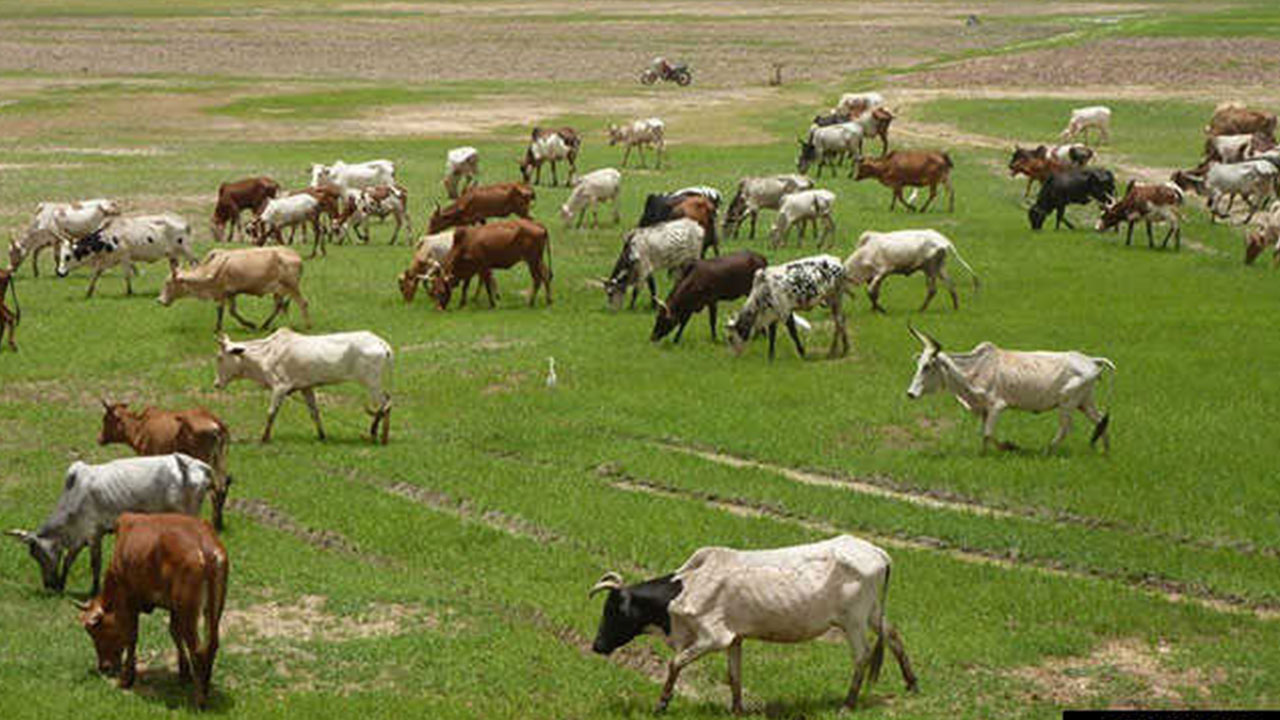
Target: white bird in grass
x=551 y=373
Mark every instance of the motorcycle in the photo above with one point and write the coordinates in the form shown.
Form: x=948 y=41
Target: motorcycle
x=679 y=74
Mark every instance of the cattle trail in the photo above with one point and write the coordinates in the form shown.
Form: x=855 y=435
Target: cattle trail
x=465 y=510
x=322 y=539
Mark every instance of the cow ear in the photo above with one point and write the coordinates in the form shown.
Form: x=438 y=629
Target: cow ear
x=236 y=350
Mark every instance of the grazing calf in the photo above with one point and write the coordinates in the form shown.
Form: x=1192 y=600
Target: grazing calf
x=597 y=186
x=197 y=433
x=1147 y=202
x=287 y=362
x=360 y=175
x=224 y=274
x=827 y=145
x=480 y=203
x=1254 y=180
x=721 y=597
x=639 y=134
x=549 y=147
x=780 y=290
x=428 y=257
x=460 y=170
x=496 y=246
x=125 y=241
x=1094 y=117
x=706 y=283
x=987 y=380
x=9 y=318
x=290 y=212
x=1232 y=118
x=374 y=202
x=56 y=223
x=904 y=252
x=173 y=562
x=234 y=198
x=94 y=495
x=911 y=168
x=671 y=246
x=1073 y=186
x=755 y=193
x=806 y=206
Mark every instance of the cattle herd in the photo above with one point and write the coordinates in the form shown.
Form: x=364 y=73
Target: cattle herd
x=164 y=557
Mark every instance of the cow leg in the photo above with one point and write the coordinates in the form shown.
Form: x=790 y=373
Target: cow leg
x=861 y=652
x=795 y=336
x=678 y=663
x=277 y=399
x=93 y=283
x=1064 y=427
x=951 y=193
x=129 y=670
x=486 y=278
x=773 y=338
x=1027 y=193
x=1151 y=241
x=900 y=654
x=931 y=289
x=873 y=293
x=535 y=274
x=184 y=666
x=1128 y=238
x=67 y=561
x=735 y=674
x=626 y=153
x=235 y=313
x=128 y=278
x=711 y=313
x=840 y=341
x=653 y=293
x=989 y=428
x=310 y=396
x=754 y=214
x=95 y=562
x=933 y=192
x=554 y=179
x=303 y=307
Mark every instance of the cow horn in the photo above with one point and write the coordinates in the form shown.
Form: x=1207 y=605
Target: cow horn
x=662 y=304
x=22 y=535
x=924 y=338
x=610 y=581
x=81 y=605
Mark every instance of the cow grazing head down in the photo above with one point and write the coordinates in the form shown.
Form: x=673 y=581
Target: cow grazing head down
x=870 y=167
x=807 y=155
x=47 y=552
x=633 y=610
x=109 y=639
x=15 y=253
x=446 y=217
x=664 y=323
x=175 y=288
x=929 y=377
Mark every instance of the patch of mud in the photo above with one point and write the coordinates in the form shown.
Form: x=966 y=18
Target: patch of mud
x=1073 y=682
x=513 y=525
x=322 y=539
x=306 y=619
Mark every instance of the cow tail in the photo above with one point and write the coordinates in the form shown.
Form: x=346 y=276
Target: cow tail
x=877 y=653
x=1101 y=428
x=974 y=275
x=216 y=569
x=947 y=159
x=549 y=273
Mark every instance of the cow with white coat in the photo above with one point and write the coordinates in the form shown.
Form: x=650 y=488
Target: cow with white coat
x=904 y=252
x=1094 y=117
x=640 y=134
x=671 y=245
x=721 y=596
x=757 y=193
x=286 y=362
x=291 y=212
x=778 y=291
x=548 y=147
x=125 y=241
x=357 y=207
x=597 y=186
x=855 y=104
x=461 y=167
x=1254 y=180
x=55 y=223
x=93 y=496
x=828 y=146
x=989 y=380
x=806 y=206
x=359 y=175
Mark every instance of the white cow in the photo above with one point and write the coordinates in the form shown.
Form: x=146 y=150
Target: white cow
x=93 y=496
x=292 y=212
x=358 y=206
x=547 y=146
x=671 y=245
x=856 y=104
x=365 y=174
x=1254 y=180
x=756 y=193
x=829 y=145
x=589 y=191
x=987 y=380
x=55 y=223
x=287 y=362
x=639 y=134
x=461 y=165
x=721 y=597
x=803 y=207
x=904 y=252
x=125 y=241
x=1096 y=117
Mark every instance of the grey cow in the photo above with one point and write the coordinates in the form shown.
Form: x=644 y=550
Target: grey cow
x=93 y=496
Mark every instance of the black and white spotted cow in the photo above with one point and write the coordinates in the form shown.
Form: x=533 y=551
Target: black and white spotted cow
x=125 y=241
x=671 y=246
x=780 y=290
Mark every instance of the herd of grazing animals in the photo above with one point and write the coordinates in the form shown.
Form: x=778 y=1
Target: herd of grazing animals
x=164 y=556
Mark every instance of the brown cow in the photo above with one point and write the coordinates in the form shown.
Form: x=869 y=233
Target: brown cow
x=173 y=562
x=330 y=199
x=914 y=168
x=702 y=211
x=223 y=274
x=479 y=203
x=1036 y=165
x=9 y=318
x=236 y=197
x=198 y=433
x=878 y=126
x=1236 y=119
x=480 y=250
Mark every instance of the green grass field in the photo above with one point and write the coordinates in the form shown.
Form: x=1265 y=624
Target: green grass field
x=498 y=503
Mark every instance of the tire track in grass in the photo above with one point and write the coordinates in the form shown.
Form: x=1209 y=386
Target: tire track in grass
x=1170 y=590
x=330 y=540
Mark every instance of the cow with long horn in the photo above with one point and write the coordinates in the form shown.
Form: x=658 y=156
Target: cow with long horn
x=988 y=380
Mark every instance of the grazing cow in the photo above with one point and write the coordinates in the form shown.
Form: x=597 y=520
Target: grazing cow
x=461 y=166
x=671 y=246
x=9 y=318
x=428 y=257
x=904 y=252
x=1236 y=148
x=778 y=291
x=1094 y=117
x=94 y=495
x=706 y=283
x=1147 y=202
x=855 y=104
x=235 y=197
x=56 y=223
x=286 y=362
x=827 y=145
x=173 y=562
x=292 y=212
x=480 y=203
x=589 y=191
x=988 y=380
x=224 y=274
x=639 y=134
x=360 y=175
x=722 y=596
x=1254 y=180
x=198 y=433
x=798 y=208
x=374 y=202
x=755 y=193
x=482 y=249
x=1232 y=118
x=1072 y=186
x=125 y=241
x=911 y=168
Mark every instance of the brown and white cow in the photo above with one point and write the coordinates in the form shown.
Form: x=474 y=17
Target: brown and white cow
x=480 y=203
x=224 y=274
x=1149 y=202
x=235 y=197
x=480 y=250
x=1232 y=118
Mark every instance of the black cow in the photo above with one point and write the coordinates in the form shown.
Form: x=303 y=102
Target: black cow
x=831 y=118
x=1075 y=186
x=708 y=282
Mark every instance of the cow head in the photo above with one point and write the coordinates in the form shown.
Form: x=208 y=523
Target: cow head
x=444 y=218
x=1037 y=215
x=1112 y=215
x=928 y=377
x=1018 y=161
x=527 y=164
x=408 y=285
x=230 y=361
x=113 y=418
x=664 y=323
x=631 y=611
x=15 y=253
x=805 y=157
x=47 y=552
x=870 y=167
x=103 y=626
x=442 y=288
x=175 y=286
x=319 y=174
x=742 y=327
x=615 y=134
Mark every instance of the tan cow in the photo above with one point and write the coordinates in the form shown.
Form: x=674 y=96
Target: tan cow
x=223 y=274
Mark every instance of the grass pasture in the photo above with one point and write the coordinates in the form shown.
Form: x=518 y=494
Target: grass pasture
x=445 y=574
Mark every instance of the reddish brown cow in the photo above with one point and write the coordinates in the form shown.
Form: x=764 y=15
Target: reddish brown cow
x=881 y=119
x=173 y=562
x=480 y=250
x=198 y=433
x=478 y=203
x=236 y=197
x=330 y=198
x=702 y=211
x=913 y=168
x=9 y=318
x=1236 y=119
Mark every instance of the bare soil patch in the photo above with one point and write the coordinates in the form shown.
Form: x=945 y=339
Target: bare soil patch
x=1072 y=682
x=306 y=619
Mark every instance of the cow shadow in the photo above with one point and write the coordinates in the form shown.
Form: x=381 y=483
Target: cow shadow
x=163 y=686
x=822 y=706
